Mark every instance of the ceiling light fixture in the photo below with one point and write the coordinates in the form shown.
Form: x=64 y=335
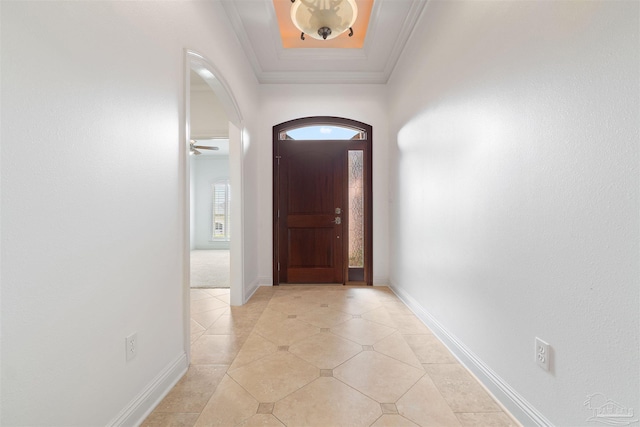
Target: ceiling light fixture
x=324 y=19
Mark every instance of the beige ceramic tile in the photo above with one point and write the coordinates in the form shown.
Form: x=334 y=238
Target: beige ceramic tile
x=487 y=419
x=215 y=350
x=397 y=308
x=389 y=408
x=262 y=300
x=429 y=349
x=460 y=389
x=326 y=296
x=275 y=376
x=224 y=298
x=379 y=315
x=266 y=408
x=207 y=304
x=206 y=318
x=354 y=306
x=196 y=327
x=410 y=324
x=254 y=306
x=194 y=337
x=286 y=331
x=214 y=292
x=291 y=305
x=393 y=420
x=197 y=294
x=324 y=317
x=424 y=405
x=255 y=347
x=291 y=317
x=196 y=330
x=386 y=295
x=362 y=331
x=262 y=420
x=364 y=294
x=168 y=419
x=397 y=348
x=232 y=324
x=193 y=390
x=326 y=350
x=327 y=402
x=253 y=311
x=263 y=291
x=248 y=312
x=269 y=317
x=378 y=376
x=229 y=405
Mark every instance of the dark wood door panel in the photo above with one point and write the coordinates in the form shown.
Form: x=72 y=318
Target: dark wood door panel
x=311 y=178
x=311 y=247
x=301 y=221
x=311 y=275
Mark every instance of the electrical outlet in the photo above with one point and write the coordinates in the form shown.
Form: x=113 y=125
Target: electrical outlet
x=131 y=346
x=543 y=355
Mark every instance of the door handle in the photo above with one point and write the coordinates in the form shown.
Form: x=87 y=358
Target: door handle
x=338 y=220
x=338 y=211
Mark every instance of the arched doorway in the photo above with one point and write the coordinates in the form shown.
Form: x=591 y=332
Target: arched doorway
x=196 y=63
x=322 y=202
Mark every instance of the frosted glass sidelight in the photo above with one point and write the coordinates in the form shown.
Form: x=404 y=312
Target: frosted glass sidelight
x=356 y=209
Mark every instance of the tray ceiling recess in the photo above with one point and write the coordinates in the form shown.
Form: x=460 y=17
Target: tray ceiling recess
x=277 y=54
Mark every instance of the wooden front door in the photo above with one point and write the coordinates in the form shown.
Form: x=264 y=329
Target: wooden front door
x=322 y=201
x=311 y=187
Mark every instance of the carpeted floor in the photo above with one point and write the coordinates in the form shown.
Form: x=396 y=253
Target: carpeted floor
x=210 y=269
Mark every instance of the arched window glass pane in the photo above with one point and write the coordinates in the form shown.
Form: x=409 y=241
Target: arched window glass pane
x=323 y=132
x=221 y=195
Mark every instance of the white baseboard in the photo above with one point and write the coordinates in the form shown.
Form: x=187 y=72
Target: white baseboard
x=265 y=281
x=253 y=287
x=519 y=408
x=140 y=407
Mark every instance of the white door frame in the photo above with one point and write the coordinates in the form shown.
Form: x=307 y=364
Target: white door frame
x=205 y=69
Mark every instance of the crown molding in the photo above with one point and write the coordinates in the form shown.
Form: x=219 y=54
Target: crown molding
x=374 y=25
x=413 y=17
x=320 y=77
x=350 y=66
x=236 y=22
x=316 y=54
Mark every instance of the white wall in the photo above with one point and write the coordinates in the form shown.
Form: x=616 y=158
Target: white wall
x=365 y=103
x=92 y=196
x=207 y=116
x=514 y=128
x=192 y=203
x=208 y=170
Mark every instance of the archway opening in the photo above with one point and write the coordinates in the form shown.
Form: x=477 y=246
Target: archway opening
x=226 y=135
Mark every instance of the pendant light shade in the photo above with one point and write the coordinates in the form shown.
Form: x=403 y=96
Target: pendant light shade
x=324 y=19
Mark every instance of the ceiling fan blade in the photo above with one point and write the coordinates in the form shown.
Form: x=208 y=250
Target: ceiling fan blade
x=204 y=147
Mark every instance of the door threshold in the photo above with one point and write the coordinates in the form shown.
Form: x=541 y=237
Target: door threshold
x=356 y=283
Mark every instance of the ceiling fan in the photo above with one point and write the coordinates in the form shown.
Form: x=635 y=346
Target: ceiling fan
x=194 y=149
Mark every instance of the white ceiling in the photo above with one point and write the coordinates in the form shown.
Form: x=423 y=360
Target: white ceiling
x=391 y=24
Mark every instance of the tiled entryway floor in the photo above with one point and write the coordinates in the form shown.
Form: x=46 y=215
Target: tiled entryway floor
x=320 y=356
